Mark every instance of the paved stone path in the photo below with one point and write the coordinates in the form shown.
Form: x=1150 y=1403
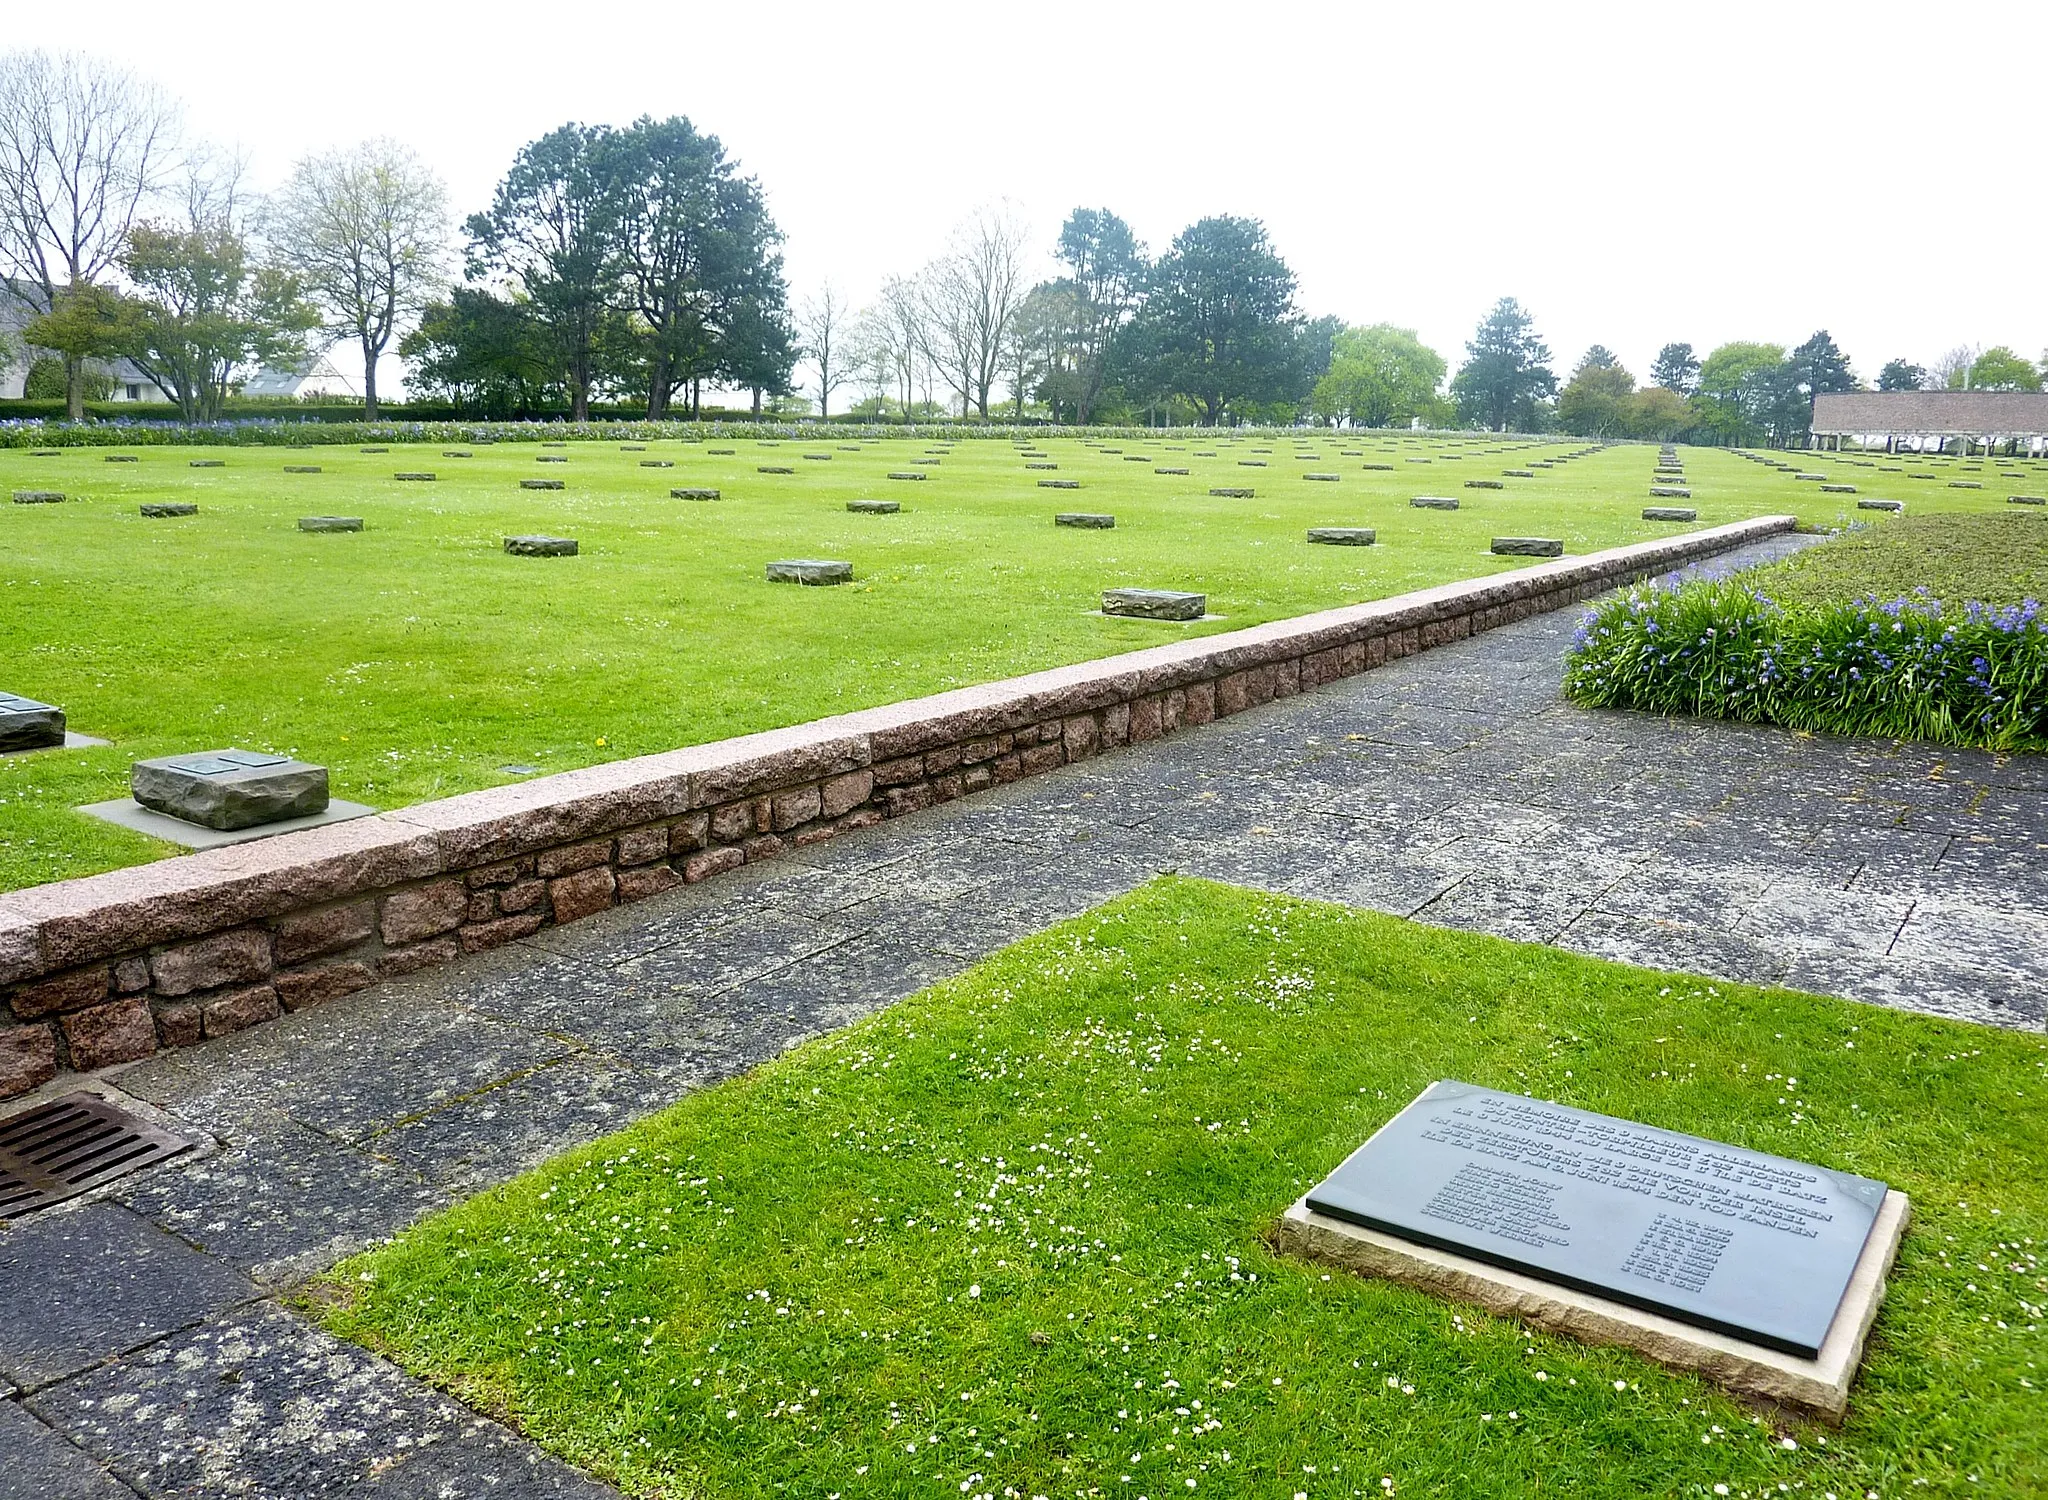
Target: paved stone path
x=143 y=1332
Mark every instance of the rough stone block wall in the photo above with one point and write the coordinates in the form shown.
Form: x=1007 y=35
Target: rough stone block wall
x=110 y=968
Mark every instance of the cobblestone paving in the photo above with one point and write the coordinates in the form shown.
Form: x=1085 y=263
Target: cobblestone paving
x=140 y=1337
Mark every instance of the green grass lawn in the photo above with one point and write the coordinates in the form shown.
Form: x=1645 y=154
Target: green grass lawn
x=1993 y=559
x=1008 y=1238
x=416 y=659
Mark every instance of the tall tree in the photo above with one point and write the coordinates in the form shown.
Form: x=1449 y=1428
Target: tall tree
x=1676 y=368
x=1219 y=326
x=821 y=323
x=364 y=229
x=1037 y=360
x=1106 y=269
x=1506 y=372
x=1596 y=402
x=1819 y=366
x=204 y=312
x=547 y=237
x=84 y=148
x=1739 y=388
x=1951 y=372
x=1901 y=375
x=2001 y=369
x=1378 y=376
x=970 y=294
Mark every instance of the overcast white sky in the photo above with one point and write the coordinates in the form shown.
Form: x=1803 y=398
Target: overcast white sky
x=1634 y=173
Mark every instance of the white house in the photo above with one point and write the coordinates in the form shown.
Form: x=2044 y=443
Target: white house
x=317 y=377
x=130 y=384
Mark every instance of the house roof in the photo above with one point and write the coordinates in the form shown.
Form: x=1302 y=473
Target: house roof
x=1949 y=413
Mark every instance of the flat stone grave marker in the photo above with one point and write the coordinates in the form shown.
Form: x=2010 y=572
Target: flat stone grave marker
x=874 y=507
x=1417 y=460
x=1251 y=463
x=373 y=450
x=1351 y=453
x=913 y=474
x=1771 y=1257
x=207 y=463
x=541 y=484
x=1041 y=466
x=1210 y=454
x=773 y=469
x=929 y=463
x=302 y=468
x=1517 y=474
x=819 y=458
x=1387 y=468
x=26 y=724
x=1137 y=458
x=657 y=463
x=810 y=571
x=1154 y=604
x=541 y=546
x=1670 y=492
x=1895 y=505
x=2026 y=499
x=1965 y=484
x=229 y=789
x=1322 y=478
x=1057 y=484
x=330 y=523
x=158 y=509
x=1169 y=471
x=38 y=497
x=848 y=447
x=1484 y=484
x=122 y=458
x=564 y=445
x=551 y=458
x=1670 y=513
x=1343 y=536
x=693 y=494
x=721 y=452
x=632 y=447
x=415 y=476
x=1086 y=520
x=44 y=452
x=1231 y=492
x=457 y=453
x=1434 y=502
x=1527 y=546
x=1838 y=489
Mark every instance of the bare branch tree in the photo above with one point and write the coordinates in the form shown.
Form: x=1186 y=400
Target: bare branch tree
x=970 y=295
x=365 y=228
x=83 y=148
x=822 y=325
x=901 y=334
x=1952 y=370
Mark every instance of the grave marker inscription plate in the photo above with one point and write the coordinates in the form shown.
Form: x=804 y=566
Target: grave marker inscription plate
x=1757 y=1247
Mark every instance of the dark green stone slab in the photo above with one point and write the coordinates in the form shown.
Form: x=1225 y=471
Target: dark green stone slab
x=1154 y=604
x=541 y=546
x=229 y=789
x=1528 y=546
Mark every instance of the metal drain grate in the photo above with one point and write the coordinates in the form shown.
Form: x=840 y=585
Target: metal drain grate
x=70 y=1146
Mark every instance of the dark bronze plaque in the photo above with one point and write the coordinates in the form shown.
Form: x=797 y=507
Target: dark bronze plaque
x=1758 y=1247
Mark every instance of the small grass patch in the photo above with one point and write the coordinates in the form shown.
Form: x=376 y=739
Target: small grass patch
x=1993 y=559
x=1007 y=1238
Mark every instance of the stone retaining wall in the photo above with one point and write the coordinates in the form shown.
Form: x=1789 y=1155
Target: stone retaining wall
x=110 y=968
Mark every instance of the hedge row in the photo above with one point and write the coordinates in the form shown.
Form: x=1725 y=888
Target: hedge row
x=1913 y=668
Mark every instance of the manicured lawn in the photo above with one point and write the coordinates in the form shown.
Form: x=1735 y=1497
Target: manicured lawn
x=1993 y=559
x=416 y=659
x=1007 y=1238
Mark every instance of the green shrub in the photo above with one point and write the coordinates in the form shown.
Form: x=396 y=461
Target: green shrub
x=1913 y=667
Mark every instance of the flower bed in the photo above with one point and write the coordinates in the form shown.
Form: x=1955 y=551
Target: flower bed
x=1913 y=667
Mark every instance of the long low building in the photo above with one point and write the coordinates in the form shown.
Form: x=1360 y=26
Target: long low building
x=1933 y=421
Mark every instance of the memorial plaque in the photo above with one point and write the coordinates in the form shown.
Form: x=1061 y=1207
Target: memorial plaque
x=1085 y=520
x=1528 y=546
x=28 y=725
x=159 y=509
x=1343 y=536
x=541 y=546
x=874 y=507
x=230 y=789
x=688 y=493
x=1757 y=1247
x=1154 y=604
x=813 y=571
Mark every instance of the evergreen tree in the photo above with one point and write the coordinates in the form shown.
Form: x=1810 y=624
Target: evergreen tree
x=1902 y=375
x=1507 y=371
x=1676 y=368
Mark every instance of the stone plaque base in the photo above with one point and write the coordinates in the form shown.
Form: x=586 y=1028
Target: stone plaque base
x=1818 y=1387
x=126 y=812
x=1154 y=604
